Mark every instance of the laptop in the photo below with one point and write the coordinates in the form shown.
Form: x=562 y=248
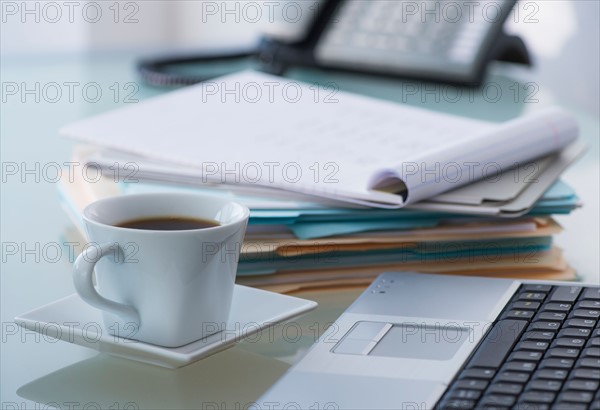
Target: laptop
x=421 y=341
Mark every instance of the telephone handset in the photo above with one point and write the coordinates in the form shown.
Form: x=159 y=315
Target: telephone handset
x=437 y=40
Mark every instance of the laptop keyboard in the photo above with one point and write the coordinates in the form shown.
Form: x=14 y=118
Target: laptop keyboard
x=542 y=353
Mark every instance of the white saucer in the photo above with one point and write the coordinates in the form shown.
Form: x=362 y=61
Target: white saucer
x=74 y=321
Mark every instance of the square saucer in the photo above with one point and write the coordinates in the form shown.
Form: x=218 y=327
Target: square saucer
x=72 y=320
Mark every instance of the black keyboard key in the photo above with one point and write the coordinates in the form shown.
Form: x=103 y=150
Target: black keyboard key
x=450 y=404
x=464 y=394
x=566 y=294
x=538 y=397
x=566 y=405
x=546 y=326
x=588 y=304
x=526 y=355
x=526 y=367
x=586 y=314
x=576 y=397
x=593 y=374
x=556 y=364
x=519 y=314
x=512 y=377
x=537 y=288
x=588 y=362
x=531 y=406
x=591 y=352
x=556 y=307
x=493 y=401
x=505 y=388
x=585 y=385
x=568 y=342
x=551 y=374
x=534 y=296
x=498 y=343
x=535 y=346
x=596 y=333
x=562 y=353
x=591 y=294
x=575 y=332
x=538 y=336
x=485 y=374
x=551 y=316
x=594 y=342
x=526 y=305
x=583 y=323
x=471 y=384
x=545 y=385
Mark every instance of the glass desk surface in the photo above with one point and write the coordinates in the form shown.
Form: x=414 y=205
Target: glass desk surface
x=44 y=373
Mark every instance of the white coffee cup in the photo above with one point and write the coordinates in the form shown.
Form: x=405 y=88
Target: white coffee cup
x=167 y=288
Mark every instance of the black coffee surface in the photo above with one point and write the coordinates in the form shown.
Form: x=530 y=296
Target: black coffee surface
x=168 y=223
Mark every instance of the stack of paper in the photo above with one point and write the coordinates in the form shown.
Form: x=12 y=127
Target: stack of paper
x=292 y=245
x=413 y=188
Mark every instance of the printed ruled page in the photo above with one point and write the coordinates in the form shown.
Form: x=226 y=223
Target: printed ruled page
x=255 y=129
x=482 y=156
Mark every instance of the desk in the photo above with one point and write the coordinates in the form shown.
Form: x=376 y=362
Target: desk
x=36 y=370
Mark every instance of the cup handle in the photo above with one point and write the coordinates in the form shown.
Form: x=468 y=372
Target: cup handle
x=83 y=272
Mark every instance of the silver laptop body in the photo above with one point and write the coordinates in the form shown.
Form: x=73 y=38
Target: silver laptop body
x=398 y=346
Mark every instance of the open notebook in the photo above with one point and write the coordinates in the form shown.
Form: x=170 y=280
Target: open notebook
x=254 y=129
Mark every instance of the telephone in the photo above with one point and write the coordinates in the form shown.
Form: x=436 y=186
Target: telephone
x=440 y=40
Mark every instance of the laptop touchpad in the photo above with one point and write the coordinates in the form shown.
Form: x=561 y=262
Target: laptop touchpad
x=406 y=340
x=421 y=342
